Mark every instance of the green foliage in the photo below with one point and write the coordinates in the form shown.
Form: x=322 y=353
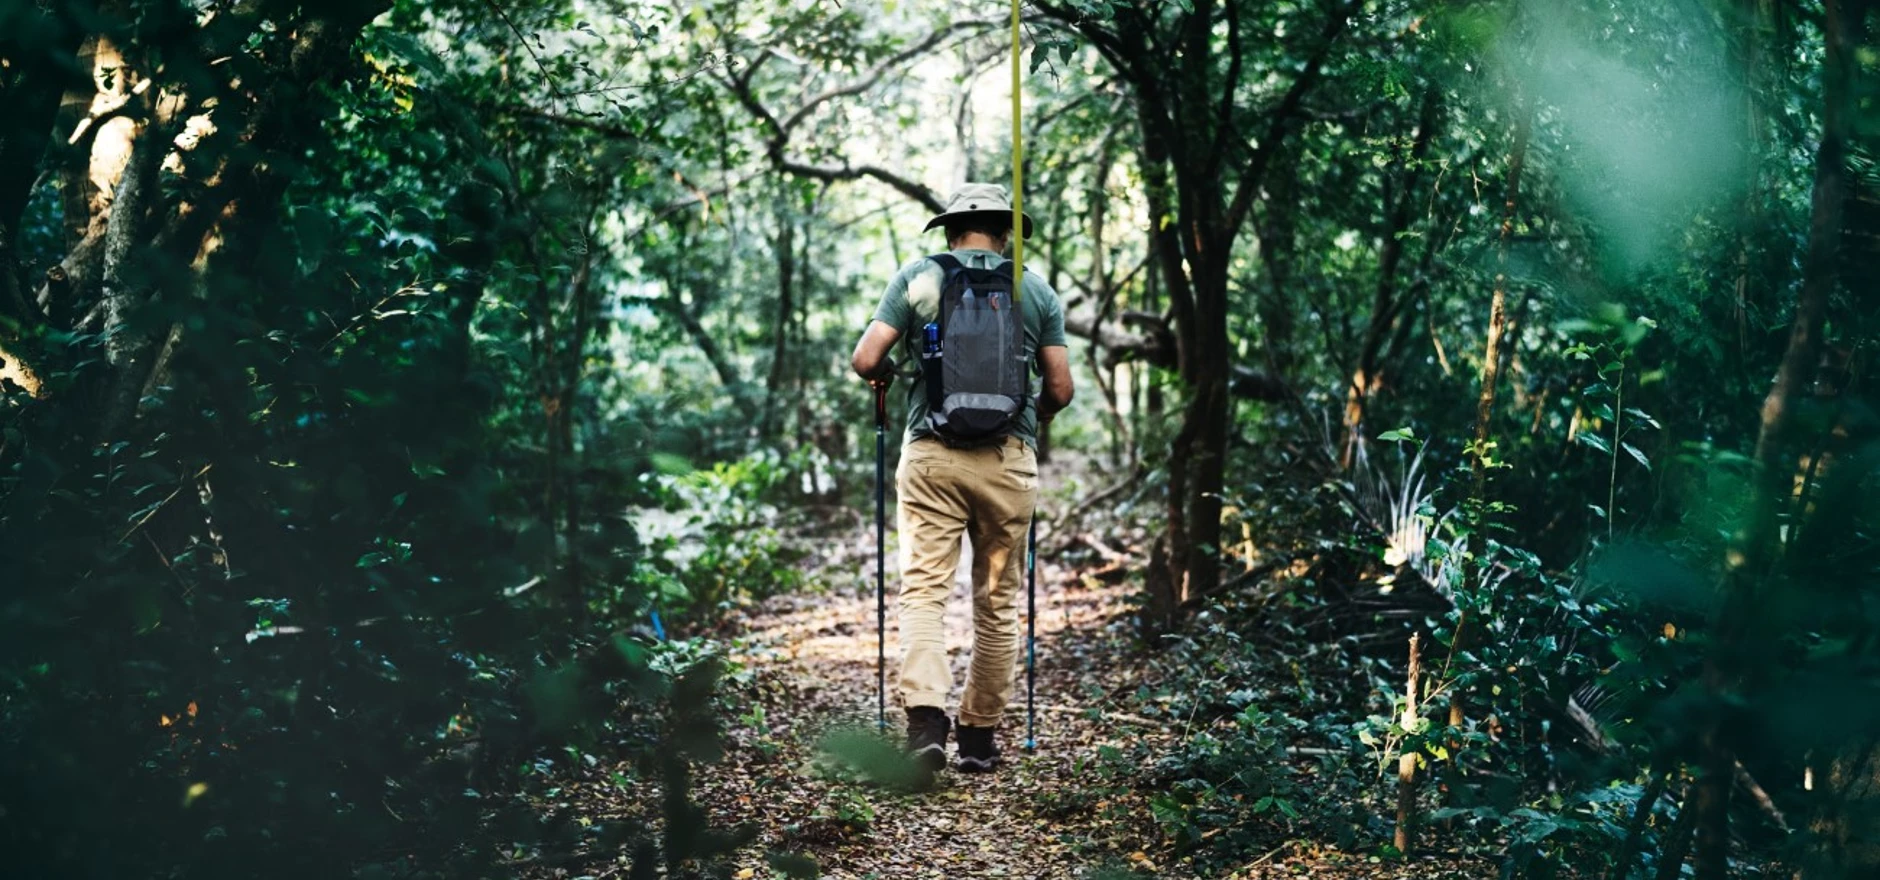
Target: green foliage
x=1221 y=778
x=867 y=756
x=295 y=600
x=459 y=339
x=728 y=545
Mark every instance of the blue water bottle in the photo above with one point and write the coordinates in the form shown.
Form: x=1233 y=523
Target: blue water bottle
x=930 y=346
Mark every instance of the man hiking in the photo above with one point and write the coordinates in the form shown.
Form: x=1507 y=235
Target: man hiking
x=968 y=458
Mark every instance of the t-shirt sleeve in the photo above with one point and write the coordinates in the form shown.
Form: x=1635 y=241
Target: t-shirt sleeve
x=1051 y=328
x=894 y=310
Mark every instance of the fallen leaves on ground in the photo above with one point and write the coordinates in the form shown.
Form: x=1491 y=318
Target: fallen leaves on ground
x=813 y=664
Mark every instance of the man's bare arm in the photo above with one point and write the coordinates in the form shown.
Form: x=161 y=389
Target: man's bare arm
x=1054 y=362
x=871 y=351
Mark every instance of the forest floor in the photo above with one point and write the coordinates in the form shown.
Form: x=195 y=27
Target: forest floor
x=806 y=670
x=1060 y=811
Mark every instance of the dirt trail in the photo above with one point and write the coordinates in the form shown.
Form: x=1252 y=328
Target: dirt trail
x=1068 y=810
x=816 y=658
x=1058 y=813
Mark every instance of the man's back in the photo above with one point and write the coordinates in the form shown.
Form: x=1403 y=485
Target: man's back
x=912 y=300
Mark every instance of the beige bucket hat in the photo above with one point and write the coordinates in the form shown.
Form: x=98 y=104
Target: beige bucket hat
x=977 y=198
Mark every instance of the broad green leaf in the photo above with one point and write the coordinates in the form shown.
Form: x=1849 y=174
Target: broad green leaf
x=1590 y=438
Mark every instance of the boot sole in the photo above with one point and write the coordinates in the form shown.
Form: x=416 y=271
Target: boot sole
x=932 y=759
x=978 y=765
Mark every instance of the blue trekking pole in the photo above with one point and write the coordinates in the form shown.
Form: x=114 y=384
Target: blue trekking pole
x=881 y=554
x=1031 y=638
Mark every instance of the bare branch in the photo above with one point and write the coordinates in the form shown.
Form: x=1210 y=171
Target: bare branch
x=1280 y=118
x=547 y=77
x=1156 y=345
x=1224 y=115
x=906 y=187
x=874 y=77
x=741 y=88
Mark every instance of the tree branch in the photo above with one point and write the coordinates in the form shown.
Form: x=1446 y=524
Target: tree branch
x=547 y=77
x=1155 y=345
x=1282 y=116
x=1225 y=112
x=873 y=77
x=741 y=88
x=906 y=187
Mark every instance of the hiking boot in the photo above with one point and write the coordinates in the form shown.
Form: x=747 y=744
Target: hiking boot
x=927 y=737
x=979 y=751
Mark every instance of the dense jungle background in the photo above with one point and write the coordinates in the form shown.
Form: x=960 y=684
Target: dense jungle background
x=428 y=449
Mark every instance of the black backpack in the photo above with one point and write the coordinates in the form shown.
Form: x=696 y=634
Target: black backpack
x=973 y=357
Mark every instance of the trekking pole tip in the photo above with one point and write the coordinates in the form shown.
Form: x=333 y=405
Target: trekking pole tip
x=1031 y=745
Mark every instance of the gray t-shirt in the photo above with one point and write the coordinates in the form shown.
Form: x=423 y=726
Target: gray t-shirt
x=913 y=299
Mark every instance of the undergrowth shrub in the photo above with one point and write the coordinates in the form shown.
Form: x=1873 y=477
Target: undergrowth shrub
x=725 y=539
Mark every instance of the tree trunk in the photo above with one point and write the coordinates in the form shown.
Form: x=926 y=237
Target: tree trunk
x=1755 y=548
x=1676 y=843
x=1844 y=825
x=1844 y=834
x=1184 y=119
x=1277 y=243
x=1497 y=318
x=582 y=293
x=707 y=346
x=786 y=311
x=1485 y=403
x=1635 y=826
x=1387 y=301
x=1403 y=839
x=126 y=289
x=1167 y=575
x=1752 y=55
x=1206 y=421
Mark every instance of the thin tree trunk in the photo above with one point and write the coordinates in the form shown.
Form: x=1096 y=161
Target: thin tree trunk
x=1677 y=842
x=786 y=311
x=1752 y=51
x=1385 y=304
x=1104 y=284
x=709 y=347
x=1276 y=256
x=582 y=293
x=1497 y=314
x=1635 y=826
x=1407 y=762
x=1838 y=850
x=1485 y=403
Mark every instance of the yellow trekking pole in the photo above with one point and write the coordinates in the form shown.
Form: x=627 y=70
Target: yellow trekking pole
x=1018 y=286
x=1018 y=166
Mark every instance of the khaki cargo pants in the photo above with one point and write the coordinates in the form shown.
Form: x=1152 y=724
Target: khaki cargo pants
x=987 y=494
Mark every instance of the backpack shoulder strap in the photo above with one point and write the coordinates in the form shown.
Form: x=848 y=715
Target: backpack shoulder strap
x=947 y=263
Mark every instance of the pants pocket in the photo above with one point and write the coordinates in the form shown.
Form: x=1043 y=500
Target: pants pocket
x=1021 y=467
